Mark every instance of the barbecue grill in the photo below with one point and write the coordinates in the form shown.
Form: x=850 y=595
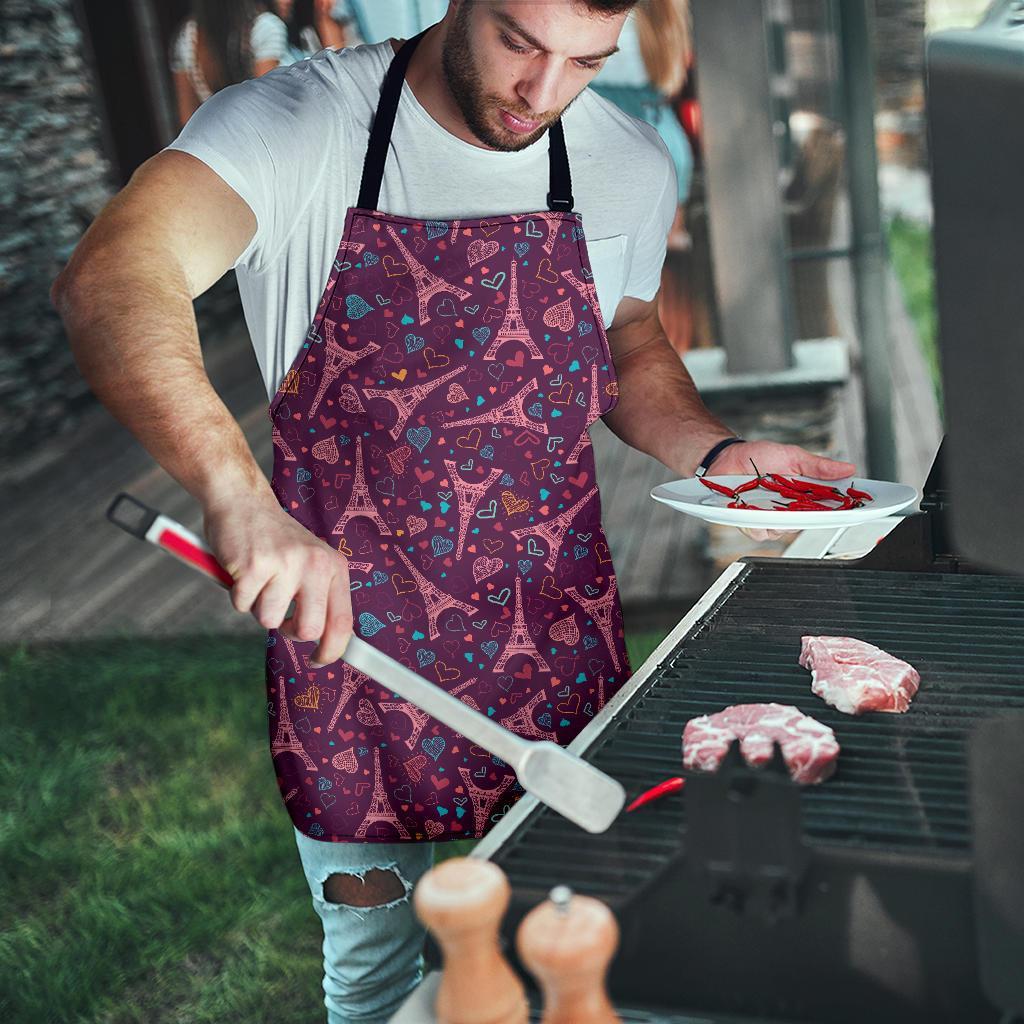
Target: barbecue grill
x=894 y=891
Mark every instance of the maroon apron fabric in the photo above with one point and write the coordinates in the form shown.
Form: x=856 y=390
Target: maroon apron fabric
x=433 y=428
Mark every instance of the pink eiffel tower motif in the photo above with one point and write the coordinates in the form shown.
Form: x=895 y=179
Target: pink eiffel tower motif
x=286 y=740
x=600 y=691
x=510 y=413
x=427 y=284
x=380 y=811
x=513 y=328
x=455 y=231
x=600 y=610
x=553 y=530
x=586 y=289
x=294 y=655
x=435 y=599
x=405 y=400
x=553 y=223
x=593 y=414
x=351 y=680
x=360 y=503
x=418 y=718
x=483 y=799
x=466 y=699
x=356 y=247
x=336 y=359
x=522 y=723
x=520 y=642
x=469 y=495
x=275 y=436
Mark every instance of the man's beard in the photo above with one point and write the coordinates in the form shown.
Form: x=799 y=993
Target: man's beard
x=478 y=108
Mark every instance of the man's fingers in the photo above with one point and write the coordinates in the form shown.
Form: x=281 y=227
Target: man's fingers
x=270 y=606
x=307 y=623
x=817 y=468
x=338 y=621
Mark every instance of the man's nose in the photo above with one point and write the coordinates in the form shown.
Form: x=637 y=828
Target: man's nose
x=539 y=89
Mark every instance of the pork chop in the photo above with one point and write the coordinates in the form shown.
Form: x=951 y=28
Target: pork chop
x=808 y=747
x=854 y=676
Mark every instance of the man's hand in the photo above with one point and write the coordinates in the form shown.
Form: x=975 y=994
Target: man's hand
x=274 y=559
x=770 y=457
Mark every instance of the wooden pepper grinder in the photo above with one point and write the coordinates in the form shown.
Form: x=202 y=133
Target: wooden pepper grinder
x=462 y=902
x=567 y=943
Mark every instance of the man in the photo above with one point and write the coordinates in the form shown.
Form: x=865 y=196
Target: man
x=432 y=377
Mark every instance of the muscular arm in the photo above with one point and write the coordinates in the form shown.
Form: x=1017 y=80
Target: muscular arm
x=659 y=410
x=126 y=300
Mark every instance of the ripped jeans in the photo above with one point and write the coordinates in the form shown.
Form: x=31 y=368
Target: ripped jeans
x=373 y=955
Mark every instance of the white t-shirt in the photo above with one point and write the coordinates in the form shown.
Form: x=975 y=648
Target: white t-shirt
x=292 y=144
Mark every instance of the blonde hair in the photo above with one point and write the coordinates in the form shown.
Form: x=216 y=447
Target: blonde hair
x=663 y=29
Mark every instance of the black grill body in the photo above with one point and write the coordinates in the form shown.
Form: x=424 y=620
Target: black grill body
x=847 y=901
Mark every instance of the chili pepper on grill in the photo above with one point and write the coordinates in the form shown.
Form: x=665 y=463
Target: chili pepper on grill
x=655 y=792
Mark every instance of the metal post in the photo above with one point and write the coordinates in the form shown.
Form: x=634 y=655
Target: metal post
x=857 y=70
x=744 y=201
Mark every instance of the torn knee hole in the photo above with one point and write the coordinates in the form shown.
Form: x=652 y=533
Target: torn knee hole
x=373 y=889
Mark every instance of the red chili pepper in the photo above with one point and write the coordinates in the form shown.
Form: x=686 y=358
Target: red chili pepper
x=862 y=495
x=740 y=504
x=750 y=485
x=809 y=487
x=806 y=505
x=655 y=792
x=719 y=488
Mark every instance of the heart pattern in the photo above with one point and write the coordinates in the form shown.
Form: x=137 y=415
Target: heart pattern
x=432 y=430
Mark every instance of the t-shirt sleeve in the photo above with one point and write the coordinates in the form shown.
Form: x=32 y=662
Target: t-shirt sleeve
x=268 y=139
x=269 y=38
x=652 y=238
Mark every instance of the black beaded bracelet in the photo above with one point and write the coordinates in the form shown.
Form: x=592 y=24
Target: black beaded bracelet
x=705 y=463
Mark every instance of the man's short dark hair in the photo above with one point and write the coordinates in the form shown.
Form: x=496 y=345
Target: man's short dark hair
x=608 y=7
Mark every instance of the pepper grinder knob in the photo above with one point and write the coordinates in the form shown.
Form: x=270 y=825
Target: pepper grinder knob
x=462 y=902
x=567 y=943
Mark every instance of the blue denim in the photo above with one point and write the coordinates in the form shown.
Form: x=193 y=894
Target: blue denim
x=373 y=956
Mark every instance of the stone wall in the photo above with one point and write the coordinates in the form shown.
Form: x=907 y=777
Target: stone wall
x=54 y=178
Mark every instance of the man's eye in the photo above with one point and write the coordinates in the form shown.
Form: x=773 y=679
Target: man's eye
x=588 y=65
x=512 y=46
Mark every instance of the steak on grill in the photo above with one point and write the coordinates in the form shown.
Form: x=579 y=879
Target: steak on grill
x=808 y=747
x=855 y=677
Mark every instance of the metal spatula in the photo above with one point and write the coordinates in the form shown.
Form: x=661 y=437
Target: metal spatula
x=564 y=782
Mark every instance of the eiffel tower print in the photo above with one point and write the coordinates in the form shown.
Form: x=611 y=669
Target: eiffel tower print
x=483 y=799
x=406 y=399
x=469 y=495
x=593 y=414
x=336 y=359
x=380 y=811
x=286 y=740
x=360 y=503
x=282 y=444
x=427 y=284
x=552 y=224
x=513 y=328
x=351 y=680
x=519 y=642
x=600 y=610
x=586 y=289
x=510 y=413
x=435 y=599
x=522 y=723
x=552 y=531
x=418 y=718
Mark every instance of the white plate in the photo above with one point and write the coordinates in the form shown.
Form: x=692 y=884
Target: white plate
x=693 y=498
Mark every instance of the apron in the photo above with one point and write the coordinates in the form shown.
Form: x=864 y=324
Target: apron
x=433 y=428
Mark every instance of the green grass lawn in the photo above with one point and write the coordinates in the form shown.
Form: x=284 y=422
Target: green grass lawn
x=910 y=247
x=147 y=867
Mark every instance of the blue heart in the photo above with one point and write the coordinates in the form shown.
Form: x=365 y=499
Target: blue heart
x=521 y=248
x=425 y=657
x=436 y=228
x=356 y=306
x=413 y=343
x=481 y=333
x=490 y=648
x=419 y=436
x=434 y=746
x=302 y=475
x=369 y=624
x=406 y=320
x=441 y=545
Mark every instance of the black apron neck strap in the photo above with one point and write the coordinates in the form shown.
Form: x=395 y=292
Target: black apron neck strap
x=560 y=198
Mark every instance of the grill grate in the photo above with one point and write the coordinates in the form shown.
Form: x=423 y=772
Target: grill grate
x=901 y=784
